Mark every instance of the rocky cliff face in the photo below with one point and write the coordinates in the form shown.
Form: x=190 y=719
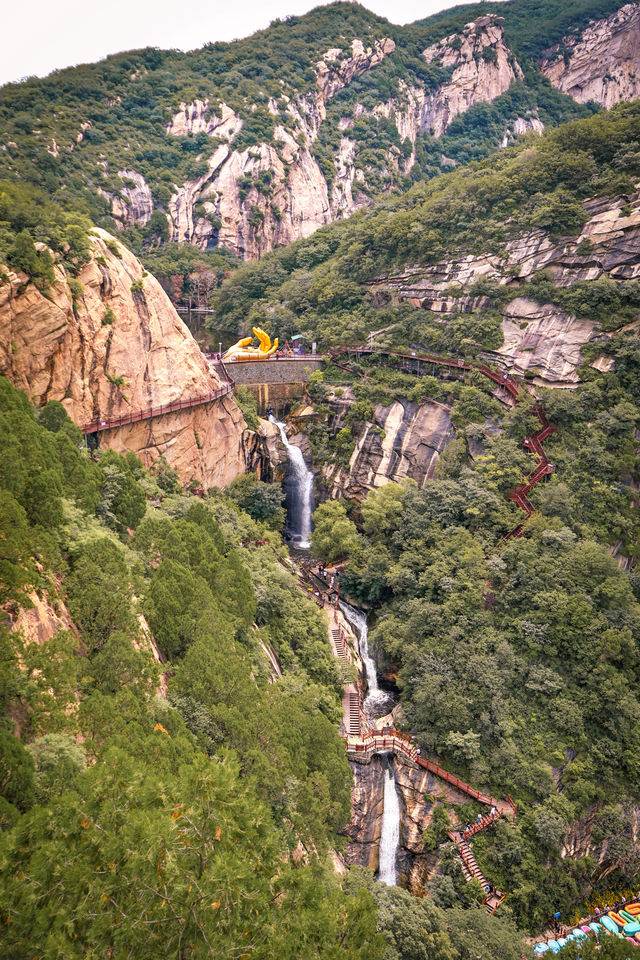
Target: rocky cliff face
x=253 y=199
x=269 y=194
x=113 y=346
x=602 y=63
x=482 y=68
x=420 y=793
x=543 y=339
x=253 y=155
x=540 y=338
x=403 y=440
x=133 y=205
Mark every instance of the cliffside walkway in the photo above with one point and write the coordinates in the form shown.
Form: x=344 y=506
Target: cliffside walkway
x=362 y=746
x=508 y=391
x=415 y=363
x=391 y=740
x=96 y=426
x=544 y=468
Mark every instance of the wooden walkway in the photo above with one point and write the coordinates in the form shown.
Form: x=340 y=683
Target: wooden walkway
x=507 y=387
x=533 y=443
x=361 y=748
x=227 y=386
x=507 y=391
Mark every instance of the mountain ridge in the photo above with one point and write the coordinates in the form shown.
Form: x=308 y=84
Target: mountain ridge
x=226 y=148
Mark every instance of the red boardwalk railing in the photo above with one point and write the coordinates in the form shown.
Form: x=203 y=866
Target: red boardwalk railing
x=108 y=424
x=503 y=379
x=455 y=781
x=533 y=443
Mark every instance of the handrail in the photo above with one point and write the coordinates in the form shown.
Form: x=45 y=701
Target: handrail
x=401 y=742
x=503 y=379
x=544 y=469
x=96 y=426
x=533 y=442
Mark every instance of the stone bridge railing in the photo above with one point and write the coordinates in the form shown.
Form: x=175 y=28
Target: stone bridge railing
x=275 y=370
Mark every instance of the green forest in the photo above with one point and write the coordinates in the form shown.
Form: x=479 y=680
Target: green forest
x=173 y=782
x=168 y=798
x=533 y=693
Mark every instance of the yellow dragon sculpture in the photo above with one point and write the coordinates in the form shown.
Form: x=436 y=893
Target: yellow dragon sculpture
x=241 y=350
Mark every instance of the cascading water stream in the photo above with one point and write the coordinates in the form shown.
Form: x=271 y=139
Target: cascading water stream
x=378 y=702
x=390 y=835
x=299 y=493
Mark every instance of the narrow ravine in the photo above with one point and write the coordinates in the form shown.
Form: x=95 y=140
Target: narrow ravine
x=299 y=493
x=377 y=702
x=299 y=502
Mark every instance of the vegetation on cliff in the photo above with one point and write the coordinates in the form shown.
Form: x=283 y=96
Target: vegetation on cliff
x=316 y=285
x=93 y=135
x=159 y=793
x=517 y=659
x=136 y=820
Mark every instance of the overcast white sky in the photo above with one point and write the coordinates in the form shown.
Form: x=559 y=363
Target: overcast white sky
x=44 y=36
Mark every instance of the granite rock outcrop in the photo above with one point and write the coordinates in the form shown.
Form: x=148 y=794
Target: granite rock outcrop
x=115 y=345
x=268 y=195
x=541 y=336
x=544 y=339
x=401 y=441
x=601 y=64
x=477 y=75
x=252 y=199
x=133 y=205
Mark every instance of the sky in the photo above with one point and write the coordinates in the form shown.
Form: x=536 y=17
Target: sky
x=45 y=36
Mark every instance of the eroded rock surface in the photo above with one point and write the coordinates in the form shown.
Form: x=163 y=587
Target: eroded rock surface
x=543 y=338
x=115 y=350
x=608 y=247
x=477 y=77
x=600 y=64
x=420 y=792
x=252 y=199
x=403 y=440
x=134 y=204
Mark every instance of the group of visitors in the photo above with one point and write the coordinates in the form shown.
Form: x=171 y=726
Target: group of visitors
x=287 y=350
x=618 y=905
x=326 y=575
x=468 y=830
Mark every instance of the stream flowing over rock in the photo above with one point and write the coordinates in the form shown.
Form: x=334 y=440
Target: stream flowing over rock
x=377 y=702
x=390 y=831
x=117 y=346
x=418 y=792
x=298 y=485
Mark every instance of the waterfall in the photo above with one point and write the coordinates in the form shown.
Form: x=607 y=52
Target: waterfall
x=299 y=494
x=390 y=835
x=377 y=701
